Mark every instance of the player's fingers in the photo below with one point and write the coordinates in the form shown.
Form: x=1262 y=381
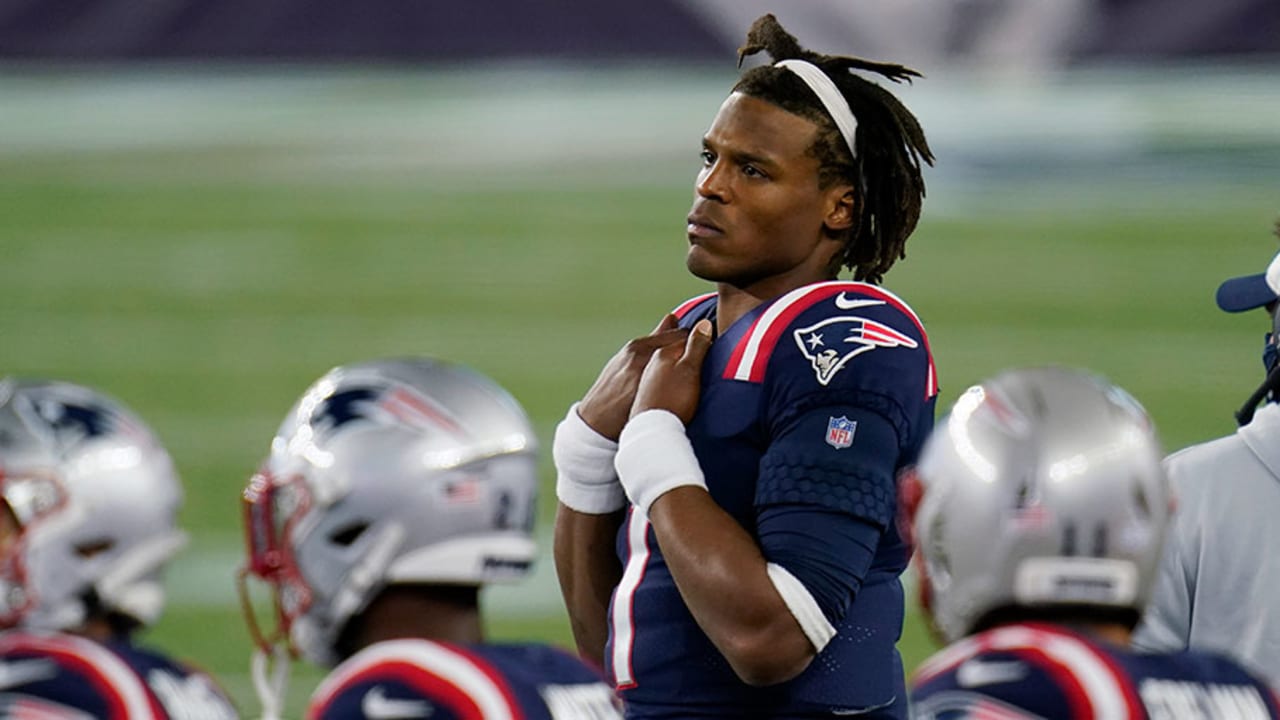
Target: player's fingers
x=643 y=346
x=668 y=322
x=649 y=343
x=699 y=342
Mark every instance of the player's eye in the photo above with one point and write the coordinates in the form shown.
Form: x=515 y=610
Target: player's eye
x=708 y=157
x=753 y=172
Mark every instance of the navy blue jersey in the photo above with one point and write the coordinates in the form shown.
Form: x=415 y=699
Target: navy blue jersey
x=442 y=681
x=810 y=405
x=1043 y=671
x=66 y=676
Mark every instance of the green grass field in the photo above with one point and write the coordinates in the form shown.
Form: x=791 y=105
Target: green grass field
x=207 y=282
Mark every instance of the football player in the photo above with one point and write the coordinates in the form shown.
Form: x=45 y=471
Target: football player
x=1040 y=506
x=757 y=433
x=394 y=490
x=87 y=524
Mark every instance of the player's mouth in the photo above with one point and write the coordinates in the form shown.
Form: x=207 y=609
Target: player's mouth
x=700 y=227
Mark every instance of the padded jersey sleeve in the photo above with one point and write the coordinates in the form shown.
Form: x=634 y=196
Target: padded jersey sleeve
x=822 y=518
x=848 y=379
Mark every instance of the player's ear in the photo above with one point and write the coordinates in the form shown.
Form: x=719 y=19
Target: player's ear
x=842 y=208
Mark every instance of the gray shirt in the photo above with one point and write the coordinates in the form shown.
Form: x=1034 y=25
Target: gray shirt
x=1218 y=585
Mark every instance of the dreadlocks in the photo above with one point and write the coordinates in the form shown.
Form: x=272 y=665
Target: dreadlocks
x=890 y=144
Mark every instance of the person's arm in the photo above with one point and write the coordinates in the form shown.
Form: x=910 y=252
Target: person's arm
x=720 y=571
x=588 y=570
x=591 y=502
x=724 y=580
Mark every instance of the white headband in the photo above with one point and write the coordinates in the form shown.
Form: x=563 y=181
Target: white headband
x=830 y=95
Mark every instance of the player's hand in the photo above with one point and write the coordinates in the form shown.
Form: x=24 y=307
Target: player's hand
x=607 y=405
x=673 y=378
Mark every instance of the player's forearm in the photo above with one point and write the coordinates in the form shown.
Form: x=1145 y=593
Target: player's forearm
x=724 y=581
x=588 y=570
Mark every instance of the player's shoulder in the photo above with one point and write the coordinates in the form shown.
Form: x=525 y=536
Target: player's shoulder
x=694 y=309
x=1037 y=669
x=537 y=661
x=1207 y=668
x=182 y=689
x=23 y=706
x=76 y=671
x=430 y=678
x=1213 y=682
x=819 y=330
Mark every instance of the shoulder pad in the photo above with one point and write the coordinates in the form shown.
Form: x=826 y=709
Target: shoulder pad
x=882 y=320
x=87 y=663
x=1094 y=682
x=17 y=706
x=438 y=674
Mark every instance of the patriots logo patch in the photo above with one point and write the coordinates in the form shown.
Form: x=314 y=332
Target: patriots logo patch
x=832 y=343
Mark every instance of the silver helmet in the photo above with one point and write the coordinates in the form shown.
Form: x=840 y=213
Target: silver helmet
x=1042 y=488
x=95 y=497
x=388 y=471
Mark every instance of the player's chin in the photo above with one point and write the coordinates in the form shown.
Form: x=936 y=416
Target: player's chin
x=702 y=264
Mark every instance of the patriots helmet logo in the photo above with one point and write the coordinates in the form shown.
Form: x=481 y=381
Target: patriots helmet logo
x=389 y=404
x=344 y=406
x=830 y=345
x=69 y=418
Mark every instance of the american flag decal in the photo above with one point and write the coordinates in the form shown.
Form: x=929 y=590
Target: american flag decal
x=462 y=490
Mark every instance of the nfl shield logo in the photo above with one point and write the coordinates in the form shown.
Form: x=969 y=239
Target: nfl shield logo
x=840 y=432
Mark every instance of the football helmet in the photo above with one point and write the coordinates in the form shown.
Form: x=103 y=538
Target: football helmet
x=1042 y=488
x=388 y=471
x=95 y=498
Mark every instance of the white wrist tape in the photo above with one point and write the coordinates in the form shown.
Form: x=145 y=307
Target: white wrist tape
x=585 y=479
x=803 y=607
x=655 y=457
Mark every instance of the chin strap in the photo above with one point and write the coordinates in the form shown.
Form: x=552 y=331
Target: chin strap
x=271 y=680
x=1271 y=385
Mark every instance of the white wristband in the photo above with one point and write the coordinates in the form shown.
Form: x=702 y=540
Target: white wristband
x=585 y=480
x=655 y=457
x=803 y=607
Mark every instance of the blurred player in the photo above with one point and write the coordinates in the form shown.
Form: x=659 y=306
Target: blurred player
x=1217 y=580
x=87 y=524
x=760 y=564
x=394 y=490
x=1040 y=505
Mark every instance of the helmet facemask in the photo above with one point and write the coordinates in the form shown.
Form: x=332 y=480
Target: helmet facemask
x=272 y=510
x=29 y=499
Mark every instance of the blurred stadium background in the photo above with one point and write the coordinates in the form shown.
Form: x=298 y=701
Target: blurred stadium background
x=205 y=205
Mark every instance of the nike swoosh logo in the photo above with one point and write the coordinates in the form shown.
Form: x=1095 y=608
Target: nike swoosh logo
x=377 y=706
x=22 y=672
x=975 y=672
x=845 y=303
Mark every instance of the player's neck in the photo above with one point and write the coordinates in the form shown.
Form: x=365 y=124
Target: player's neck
x=412 y=614
x=97 y=629
x=733 y=302
x=1113 y=633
